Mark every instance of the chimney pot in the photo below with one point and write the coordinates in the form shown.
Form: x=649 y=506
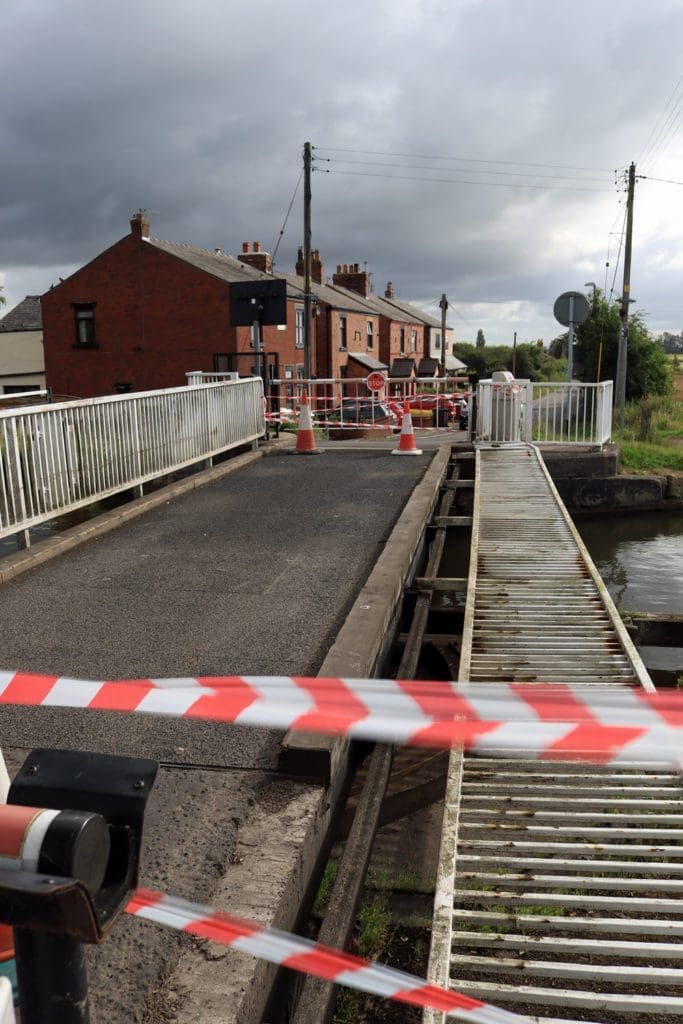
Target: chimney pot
x=245 y=246
x=257 y=247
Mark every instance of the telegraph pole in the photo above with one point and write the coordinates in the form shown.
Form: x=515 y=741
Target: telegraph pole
x=444 y=306
x=307 y=260
x=620 y=395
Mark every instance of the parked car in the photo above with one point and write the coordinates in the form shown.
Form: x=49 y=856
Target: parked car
x=361 y=410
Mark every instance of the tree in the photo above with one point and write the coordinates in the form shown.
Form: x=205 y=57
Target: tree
x=481 y=340
x=597 y=341
x=2 y=297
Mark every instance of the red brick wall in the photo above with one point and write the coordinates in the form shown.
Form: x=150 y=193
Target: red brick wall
x=156 y=317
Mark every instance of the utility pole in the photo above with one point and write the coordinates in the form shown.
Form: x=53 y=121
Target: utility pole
x=620 y=395
x=444 y=306
x=307 y=260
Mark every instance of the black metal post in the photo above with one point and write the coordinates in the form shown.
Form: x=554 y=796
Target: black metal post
x=52 y=977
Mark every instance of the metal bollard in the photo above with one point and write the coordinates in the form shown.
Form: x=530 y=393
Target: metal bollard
x=70 y=839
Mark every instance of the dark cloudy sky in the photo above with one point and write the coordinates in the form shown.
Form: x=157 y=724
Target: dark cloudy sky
x=198 y=111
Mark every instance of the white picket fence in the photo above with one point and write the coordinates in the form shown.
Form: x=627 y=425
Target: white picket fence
x=56 y=458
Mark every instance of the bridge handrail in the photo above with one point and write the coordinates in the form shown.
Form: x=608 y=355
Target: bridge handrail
x=60 y=457
x=544 y=412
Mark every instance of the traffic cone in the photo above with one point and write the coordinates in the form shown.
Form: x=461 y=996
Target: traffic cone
x=406 y=444
x=305 y=438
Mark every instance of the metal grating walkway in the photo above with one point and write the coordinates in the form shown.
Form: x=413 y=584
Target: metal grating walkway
x=560 y=886
x=538 y=609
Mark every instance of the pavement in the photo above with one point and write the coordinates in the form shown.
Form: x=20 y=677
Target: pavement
x=253 y=567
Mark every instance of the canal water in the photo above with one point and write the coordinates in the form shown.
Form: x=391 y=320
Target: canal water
x=640 y=558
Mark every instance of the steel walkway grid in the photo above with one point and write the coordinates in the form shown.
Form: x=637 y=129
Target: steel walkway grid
x=560 y=886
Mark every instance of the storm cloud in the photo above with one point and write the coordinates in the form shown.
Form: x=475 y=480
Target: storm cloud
x=198 y=113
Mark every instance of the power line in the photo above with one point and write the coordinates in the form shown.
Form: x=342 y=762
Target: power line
x=666 y=181
x=462 y=159
x=663 y=117
x=421 y=167
x=463 y=181
x=289 y=210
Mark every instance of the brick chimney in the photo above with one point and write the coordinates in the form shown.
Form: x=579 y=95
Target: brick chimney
x=254 y=257
x=389 y=291
x=351 y=277
x=317 y=266
x=139 y=225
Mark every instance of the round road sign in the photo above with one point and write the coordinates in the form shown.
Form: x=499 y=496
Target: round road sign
x=571 y=307
x=375 y=381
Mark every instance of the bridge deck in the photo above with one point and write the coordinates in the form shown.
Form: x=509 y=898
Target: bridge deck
x=559 y=886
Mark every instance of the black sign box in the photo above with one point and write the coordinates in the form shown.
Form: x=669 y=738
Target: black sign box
x=265 y=301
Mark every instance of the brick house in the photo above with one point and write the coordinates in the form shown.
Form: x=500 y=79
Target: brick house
x=145 y=312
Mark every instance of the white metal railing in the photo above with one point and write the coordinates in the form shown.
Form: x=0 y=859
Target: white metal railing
x=344 y=403
x=60 y=457
x=21 y=396
x=544 y=412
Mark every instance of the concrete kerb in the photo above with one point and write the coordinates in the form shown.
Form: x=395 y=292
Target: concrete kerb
x=20 y=562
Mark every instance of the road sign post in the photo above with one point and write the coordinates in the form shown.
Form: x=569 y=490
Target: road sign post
x=570 y=309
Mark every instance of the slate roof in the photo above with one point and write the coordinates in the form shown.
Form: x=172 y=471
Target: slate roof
x=428 y=367
x=339 y=298
x=414 y=312
x=227 y=268
x=374 y=304
x=402 y=368
x=368 y=361
x=26 y=316
x=231 y=270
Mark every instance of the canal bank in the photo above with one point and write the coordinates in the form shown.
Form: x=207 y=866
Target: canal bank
x=590 y=480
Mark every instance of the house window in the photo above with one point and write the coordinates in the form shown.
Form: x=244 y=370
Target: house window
x=370 y=335
x=437 y=340
x=413 y=341
x=299 y=328
x=402 y=341
x=224 y=362
x=84 y=313
x=342 y=333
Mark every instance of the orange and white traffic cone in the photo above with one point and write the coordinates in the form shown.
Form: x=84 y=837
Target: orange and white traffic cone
x=305 y=438
x=406 y=444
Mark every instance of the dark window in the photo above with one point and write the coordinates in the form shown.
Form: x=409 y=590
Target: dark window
x=437 y=341
x=413 y=341
x=402 y=341
x=342 y=332
x=370 y=336
x=299 y=329
x=85 y=325
x=224 y=362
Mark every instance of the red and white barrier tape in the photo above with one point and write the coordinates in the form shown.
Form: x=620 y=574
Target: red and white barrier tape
x=300 y=954
x=545 y=721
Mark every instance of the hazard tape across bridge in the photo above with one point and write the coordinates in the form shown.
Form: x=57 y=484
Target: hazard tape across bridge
x=301 y=954
x=545 y=721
